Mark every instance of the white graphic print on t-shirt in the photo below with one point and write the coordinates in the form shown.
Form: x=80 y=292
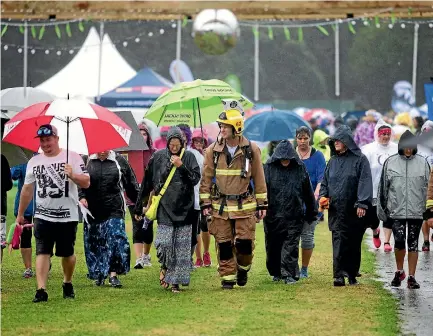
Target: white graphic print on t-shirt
x=49 y=175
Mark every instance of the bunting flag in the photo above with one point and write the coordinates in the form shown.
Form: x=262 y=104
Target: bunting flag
x=270 y=33
x=287 y=33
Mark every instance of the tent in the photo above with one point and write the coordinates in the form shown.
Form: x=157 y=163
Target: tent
x=80 y=76
x=137 y=153
x=140 y=91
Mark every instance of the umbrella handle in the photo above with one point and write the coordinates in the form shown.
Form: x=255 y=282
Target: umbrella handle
x=67 y=188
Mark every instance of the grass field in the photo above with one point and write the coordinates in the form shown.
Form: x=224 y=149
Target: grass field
x=141 y=307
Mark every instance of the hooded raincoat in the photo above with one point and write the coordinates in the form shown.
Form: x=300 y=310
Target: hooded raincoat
x=348 y=185
x=318 y=137
x=178 y=199
x=291 y=202
x=403 y=185
x=377 y=154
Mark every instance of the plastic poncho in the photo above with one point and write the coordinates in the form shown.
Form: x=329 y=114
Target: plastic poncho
x=377 y=154
x=318 y=137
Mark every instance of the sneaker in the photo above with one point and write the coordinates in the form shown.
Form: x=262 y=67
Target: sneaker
x=28 y=273
x=242 y=277
x=304 y=273
x=41 y=296
x=387 y=247
x=353 y=282
x=289 y=281
x=115 y=282
x=138 y=263
x=227 y=284
x=146 y=260
x=68 y=291
x=198 y=263
x=276 y=278
x=339 y=282
x=411 y=283
x=100 y=281
x=376 y=239
x=426 y=246
x=207 y=261
x=399 y=276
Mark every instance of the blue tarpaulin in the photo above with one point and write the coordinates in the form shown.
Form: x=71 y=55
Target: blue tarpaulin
x=139 y=92
x=428 y=88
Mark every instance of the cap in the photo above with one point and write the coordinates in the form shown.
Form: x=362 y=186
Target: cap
x=46 y=130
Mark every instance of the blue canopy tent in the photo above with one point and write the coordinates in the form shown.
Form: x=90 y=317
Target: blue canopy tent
x=141 y=91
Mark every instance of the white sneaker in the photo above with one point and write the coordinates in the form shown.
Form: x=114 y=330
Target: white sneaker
x=138 y=263
x=145 y=260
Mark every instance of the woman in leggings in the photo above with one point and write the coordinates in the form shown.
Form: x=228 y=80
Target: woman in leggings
x=402 y=199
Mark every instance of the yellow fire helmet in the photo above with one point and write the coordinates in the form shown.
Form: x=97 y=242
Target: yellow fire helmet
x=234 y=118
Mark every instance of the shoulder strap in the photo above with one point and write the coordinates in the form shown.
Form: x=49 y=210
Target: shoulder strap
x=170 y=176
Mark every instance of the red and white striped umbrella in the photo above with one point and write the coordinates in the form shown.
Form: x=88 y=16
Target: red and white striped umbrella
x=89 y=127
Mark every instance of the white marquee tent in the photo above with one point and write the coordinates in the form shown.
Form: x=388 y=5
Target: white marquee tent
x=80 y=76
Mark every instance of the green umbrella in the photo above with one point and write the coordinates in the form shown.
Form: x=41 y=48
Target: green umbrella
x=193 y=103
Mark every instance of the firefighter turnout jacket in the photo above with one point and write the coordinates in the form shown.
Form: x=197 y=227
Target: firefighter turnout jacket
x=226 y=182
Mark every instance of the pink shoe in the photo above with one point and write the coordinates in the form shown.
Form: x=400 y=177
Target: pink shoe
x=402 y=275
x=198 y=263
x=207 y=260
x=387 y=247
x=376 y=239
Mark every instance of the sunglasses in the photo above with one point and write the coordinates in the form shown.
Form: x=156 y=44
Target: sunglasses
x=45 y=131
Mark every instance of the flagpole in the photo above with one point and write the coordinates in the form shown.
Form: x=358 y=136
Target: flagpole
x=256 y=64
x=178 y=48
x=415 y=59
x=101 y=37
x=25 y=65
x=337 y=58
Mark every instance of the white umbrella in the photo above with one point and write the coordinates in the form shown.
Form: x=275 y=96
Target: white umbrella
x=18 y=98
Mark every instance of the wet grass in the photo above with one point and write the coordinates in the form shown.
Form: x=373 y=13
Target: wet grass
x=311 y=307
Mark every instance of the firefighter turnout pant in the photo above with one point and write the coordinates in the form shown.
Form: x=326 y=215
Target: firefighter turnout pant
x=234 y=239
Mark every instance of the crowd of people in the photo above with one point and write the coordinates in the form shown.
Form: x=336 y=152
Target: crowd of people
x=358 y=174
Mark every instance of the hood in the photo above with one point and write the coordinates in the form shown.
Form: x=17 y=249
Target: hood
x=197 y=134
x=143 y=127
x=175 y=132
x=319 y=136
x=427 y=127
x=405 y=137
x=344 y=134
x=379 y=124
x=284 y=151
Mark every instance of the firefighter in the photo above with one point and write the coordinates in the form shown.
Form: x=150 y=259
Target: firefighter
x=233 y=197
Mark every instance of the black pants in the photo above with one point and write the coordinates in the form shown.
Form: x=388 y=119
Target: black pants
x=346 y=248
x=282 y=251
x=413 y=230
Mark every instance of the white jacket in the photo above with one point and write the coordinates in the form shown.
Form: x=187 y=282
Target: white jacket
x=377 y=155
x=200 y=161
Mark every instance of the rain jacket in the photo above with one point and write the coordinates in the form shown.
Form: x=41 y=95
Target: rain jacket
x=109 y=179
x=6 y=184
x=318 y=137
x=377 y=153
x=229 y=180
x=346 y=182
x=289 y=189
x=403 y=185
x=178 y=200
x=18 y=174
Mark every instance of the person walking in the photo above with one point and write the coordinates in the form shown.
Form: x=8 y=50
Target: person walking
x=231 y=164
x=18 y=174
x=315 y=164
x=291 y=207
x=377 y=152
x=56 y=216
x=347 y=188
x=428 y=154
x=402 y=199
x=199 y=144
x=173 y=237
x=106 y=245
x=142 y=235
x=6 y=185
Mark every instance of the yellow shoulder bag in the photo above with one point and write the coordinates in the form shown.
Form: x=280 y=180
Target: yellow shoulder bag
x=153 y=209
